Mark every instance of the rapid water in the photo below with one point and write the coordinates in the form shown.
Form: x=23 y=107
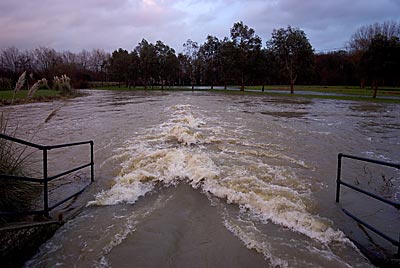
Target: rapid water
x=193 y=179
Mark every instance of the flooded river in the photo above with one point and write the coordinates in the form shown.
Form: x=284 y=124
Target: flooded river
x=198 y=179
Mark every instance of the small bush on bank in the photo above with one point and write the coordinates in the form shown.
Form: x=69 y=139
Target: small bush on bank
x=63 y=84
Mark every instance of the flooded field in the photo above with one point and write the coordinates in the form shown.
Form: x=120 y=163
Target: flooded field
x=194 y=179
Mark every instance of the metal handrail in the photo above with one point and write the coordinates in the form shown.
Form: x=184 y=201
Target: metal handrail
x=379 y=162
x=46 y=179
x=386 y=201
x=27 y=143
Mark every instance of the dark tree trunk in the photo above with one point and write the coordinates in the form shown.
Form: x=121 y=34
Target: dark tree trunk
x=362 y=84
x=374 y=88
x=292 y=81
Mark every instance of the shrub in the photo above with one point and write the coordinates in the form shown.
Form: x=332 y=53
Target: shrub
x=14 y=195
x=42 y=83
x=63 y=84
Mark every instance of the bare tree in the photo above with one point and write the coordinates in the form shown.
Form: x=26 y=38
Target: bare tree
x=83 y=59
x=13 y=62
x=45 y=59
x=9 y=59
x=96 y=60
x=67 y=57
x=362 y=37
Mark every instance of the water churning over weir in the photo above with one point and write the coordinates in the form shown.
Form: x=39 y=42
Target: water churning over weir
x=261 y=169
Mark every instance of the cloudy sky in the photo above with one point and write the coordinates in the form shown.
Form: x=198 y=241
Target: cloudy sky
x=85 y=24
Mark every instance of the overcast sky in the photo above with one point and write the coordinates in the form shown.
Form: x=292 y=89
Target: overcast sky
x=107 y=24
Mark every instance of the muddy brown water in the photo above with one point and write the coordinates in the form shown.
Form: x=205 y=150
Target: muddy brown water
x=194 y=179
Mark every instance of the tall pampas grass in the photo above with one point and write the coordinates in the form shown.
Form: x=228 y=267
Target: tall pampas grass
x=20 y=83
x=63 y=84
x=14 y=160
x=16 y=195
x=40 y=83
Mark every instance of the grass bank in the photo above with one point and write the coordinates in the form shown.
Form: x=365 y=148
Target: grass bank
x=313 y=96
x=8 y=94
x=41 y=95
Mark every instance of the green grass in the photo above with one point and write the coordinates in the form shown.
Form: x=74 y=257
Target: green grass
x=8 y=94
x=348 y=90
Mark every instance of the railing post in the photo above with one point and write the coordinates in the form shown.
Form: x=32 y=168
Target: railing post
x=338 y=182
x=46 y=178
x=91 y=161
x=45 y=184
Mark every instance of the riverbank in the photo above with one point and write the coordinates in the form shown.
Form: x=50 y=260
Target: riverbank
x=20 y=241
x=6 y=97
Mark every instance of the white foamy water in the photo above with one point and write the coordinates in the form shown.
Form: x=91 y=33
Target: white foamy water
x=219 y=160
x=145 y=165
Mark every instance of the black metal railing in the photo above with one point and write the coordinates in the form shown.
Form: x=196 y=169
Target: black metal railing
x=339 y=182
x=46 y=178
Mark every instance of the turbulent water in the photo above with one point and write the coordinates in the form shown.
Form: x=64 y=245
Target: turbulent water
x=261 y=172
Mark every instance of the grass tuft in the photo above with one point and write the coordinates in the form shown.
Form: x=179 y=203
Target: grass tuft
x=14 y=195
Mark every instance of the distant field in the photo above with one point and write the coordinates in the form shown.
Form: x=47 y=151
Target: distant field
x=349 y=90
x=353 y=93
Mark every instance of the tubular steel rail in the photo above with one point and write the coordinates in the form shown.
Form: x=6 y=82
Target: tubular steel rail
x=46 y=178
x=386 y=201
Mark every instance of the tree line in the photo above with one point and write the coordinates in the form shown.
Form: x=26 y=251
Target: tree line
x=372 y=58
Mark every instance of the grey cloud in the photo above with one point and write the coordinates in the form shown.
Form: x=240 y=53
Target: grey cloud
x=78 y=24
x=328 y=24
